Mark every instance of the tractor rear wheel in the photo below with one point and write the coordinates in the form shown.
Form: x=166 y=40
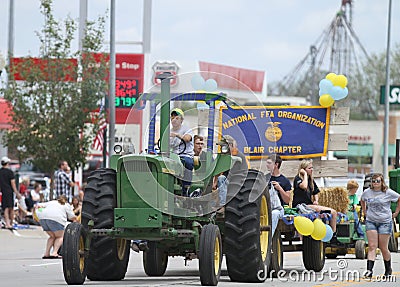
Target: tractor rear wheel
x=73 y=258
x=108 y=258
x=210 y=255
x=247 y=241
x=313 y=254
x=155 y=260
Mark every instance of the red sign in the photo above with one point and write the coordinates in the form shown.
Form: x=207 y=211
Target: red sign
x=129 y=69
x=238 y=78
x=50 y=68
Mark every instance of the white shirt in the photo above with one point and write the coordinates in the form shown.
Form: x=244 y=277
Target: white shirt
x=176 y=143
x=55 y=211
x=34 y=195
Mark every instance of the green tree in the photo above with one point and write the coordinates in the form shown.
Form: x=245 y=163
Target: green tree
x=53 y=105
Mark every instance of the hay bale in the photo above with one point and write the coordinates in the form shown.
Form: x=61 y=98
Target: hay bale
x=334 y=197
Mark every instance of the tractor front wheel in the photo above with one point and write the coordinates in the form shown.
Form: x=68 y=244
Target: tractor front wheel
x=210 y=255
x=155 y=260
x=73 y=259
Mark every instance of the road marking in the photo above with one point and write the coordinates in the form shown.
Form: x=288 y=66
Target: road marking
x=16 y=233
x=44 y=264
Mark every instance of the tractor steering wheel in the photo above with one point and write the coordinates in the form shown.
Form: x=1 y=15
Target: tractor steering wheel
x=157 y=146
x=184 y=146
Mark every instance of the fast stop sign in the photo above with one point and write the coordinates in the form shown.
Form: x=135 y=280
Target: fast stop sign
x=394 y=95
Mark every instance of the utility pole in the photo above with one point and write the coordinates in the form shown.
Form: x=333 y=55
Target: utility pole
x=83 y=12
x=10 y=35
x=387 y=94
x=111 y=99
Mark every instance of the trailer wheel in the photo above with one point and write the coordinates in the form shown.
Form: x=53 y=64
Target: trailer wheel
x=73 y=259
x=393 y=243
x=247 y=239
x=155 y=260
x=276 y=262
x=360 y=249
x=313 y=254
x=210 y=255
x=108 y=258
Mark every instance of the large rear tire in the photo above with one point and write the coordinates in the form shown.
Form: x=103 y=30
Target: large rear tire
x=108 y=258
x=210 y=255
x=155 y=260
x=313 y=254
x=73 y=259
x=247 y=228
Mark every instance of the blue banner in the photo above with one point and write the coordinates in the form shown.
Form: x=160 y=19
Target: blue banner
x=292 y=132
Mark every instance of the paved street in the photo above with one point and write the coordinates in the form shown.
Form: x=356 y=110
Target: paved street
x=21 y=265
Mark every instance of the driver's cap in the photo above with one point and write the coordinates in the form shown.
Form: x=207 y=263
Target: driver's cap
x=177 y=112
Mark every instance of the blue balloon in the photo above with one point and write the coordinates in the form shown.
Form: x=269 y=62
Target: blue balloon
x=325 y=87
x=198 y=82
x=329 y=233
x=338 y=93
x=344 y=93
x=210 y=85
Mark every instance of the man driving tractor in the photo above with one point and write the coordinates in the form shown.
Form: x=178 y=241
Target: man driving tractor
x=181 y=143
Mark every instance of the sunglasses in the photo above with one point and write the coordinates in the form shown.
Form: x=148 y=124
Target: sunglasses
x=376 y=181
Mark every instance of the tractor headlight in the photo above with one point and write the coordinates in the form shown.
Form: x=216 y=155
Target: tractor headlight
x=117 y=149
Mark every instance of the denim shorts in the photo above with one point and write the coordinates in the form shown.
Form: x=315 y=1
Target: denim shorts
x=51 y=225
x=381 y=228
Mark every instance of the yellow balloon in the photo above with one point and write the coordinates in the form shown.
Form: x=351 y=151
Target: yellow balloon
x=303 y=225
x=319 y=229
x=326 y=100
x=331 y=77
x=340 y=80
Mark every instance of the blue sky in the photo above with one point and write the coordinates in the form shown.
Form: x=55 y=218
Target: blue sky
x=271 y=36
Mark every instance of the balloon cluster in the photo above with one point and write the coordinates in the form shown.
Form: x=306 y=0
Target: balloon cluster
x=199 y=84
x=331 y=89
x=317 y=229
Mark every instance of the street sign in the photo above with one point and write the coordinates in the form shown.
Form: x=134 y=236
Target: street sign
x=394 y=95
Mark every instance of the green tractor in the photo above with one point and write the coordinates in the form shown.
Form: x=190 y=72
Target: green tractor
x=140 y=198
